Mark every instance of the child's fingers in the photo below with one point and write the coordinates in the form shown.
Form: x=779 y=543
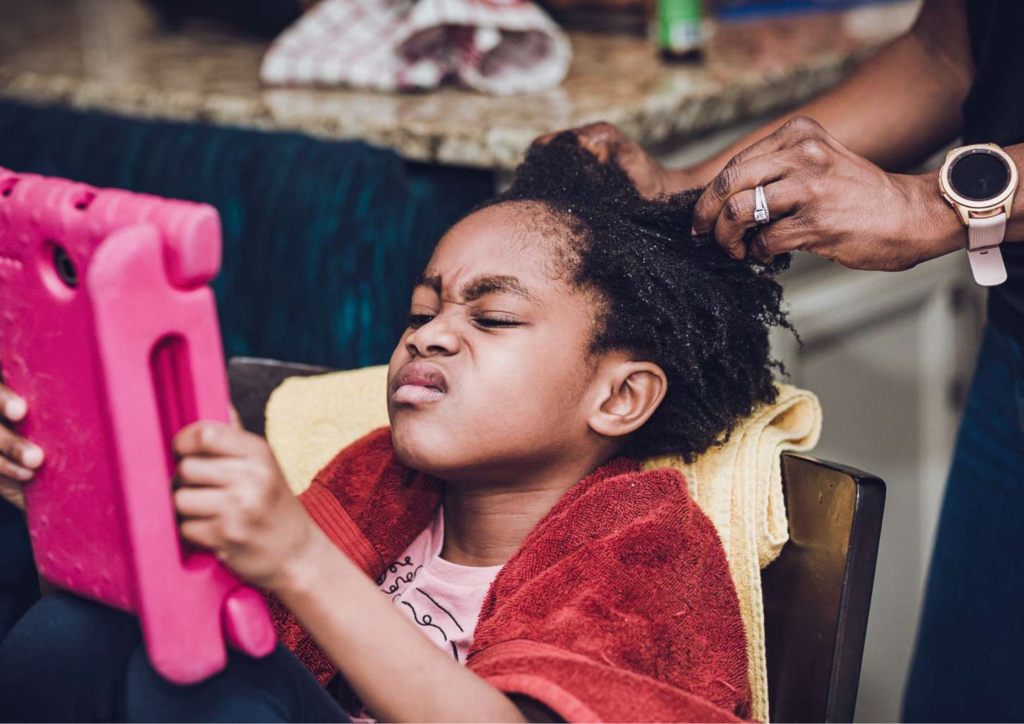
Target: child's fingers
x=11 y=492
x=199 y=502
x=12 y=406
x=18 y=450
x=202 y=532
x=236 y=419
x=212 y=438
x=197 y=470
x=14 y=471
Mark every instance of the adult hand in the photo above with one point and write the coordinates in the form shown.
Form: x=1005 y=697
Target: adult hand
x=19 y=458
x=234 y=500
x=829 y=201
x=652 y=179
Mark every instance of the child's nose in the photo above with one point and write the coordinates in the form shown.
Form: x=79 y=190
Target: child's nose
x=436 y=337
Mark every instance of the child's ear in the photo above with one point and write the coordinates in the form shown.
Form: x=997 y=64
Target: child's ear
x=629 y=394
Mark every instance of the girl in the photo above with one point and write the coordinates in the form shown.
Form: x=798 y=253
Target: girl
x=530 y=570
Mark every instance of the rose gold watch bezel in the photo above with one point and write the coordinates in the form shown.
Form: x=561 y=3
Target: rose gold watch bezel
x=978 y=208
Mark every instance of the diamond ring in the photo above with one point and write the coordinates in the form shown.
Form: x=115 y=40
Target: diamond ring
x=761 y=215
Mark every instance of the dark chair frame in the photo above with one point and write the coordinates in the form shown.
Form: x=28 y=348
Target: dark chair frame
x=816 y=595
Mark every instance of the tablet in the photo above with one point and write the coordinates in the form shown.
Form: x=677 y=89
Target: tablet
x=108 y=330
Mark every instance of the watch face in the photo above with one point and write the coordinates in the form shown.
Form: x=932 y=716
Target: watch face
x=979 y=175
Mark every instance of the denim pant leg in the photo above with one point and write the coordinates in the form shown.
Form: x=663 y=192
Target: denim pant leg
x=70 y=659
x=65 y=660
x=277 y=688
x=19 y=585
x=969 y=660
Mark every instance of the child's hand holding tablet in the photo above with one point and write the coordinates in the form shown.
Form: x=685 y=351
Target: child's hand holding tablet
x=19 y=458
x=233 y=500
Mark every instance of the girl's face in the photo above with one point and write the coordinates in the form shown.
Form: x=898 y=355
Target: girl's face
x=492 y=374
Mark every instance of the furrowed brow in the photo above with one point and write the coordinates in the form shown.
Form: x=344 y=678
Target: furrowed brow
x=481 y=286
x=431 y=281
x=498 y=284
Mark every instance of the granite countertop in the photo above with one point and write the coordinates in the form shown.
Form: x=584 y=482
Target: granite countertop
x=112 y=55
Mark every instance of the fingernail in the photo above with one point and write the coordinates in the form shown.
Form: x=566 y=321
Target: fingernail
x=15 y=408
x=32 y=456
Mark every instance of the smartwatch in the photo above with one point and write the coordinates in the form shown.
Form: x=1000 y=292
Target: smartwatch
x=979 y=181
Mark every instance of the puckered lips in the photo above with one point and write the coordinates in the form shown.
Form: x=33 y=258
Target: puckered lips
x=418 y=383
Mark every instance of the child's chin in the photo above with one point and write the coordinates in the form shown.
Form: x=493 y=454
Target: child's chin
x=423 y=450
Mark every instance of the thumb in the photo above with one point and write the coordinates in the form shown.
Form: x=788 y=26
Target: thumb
x=236 y=421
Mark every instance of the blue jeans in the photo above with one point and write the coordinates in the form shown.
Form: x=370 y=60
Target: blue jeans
x=69 y=659
x=969 y=660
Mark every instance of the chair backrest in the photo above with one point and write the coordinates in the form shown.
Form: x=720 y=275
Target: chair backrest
x=816 y=595
x=818 y=592
x=252 y=379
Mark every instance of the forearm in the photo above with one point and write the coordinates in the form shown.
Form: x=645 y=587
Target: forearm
x=398 y=672
x=899 y=106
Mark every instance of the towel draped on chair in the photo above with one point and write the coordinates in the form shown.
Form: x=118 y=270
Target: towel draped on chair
x=737 y=484
x=618 y=605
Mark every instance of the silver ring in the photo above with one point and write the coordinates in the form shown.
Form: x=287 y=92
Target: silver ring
x=761 y=214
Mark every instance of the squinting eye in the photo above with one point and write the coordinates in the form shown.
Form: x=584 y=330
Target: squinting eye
x=497 y=321
x=418 y=320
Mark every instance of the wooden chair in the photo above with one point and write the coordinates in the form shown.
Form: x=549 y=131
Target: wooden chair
x=818 y=592
x=816 y=595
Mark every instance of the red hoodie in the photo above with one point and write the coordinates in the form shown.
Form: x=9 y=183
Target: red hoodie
x=618 y=606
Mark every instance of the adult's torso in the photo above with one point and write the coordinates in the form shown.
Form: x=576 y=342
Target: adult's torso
x=994 y=112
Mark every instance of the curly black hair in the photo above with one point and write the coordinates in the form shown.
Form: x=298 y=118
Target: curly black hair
x=668 y=297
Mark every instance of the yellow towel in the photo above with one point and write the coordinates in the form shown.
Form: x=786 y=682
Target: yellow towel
x=311 y=419
x=738 y=485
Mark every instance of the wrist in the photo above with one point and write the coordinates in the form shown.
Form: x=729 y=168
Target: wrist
x=933 y=227
x=301 y=570
x=690 y=177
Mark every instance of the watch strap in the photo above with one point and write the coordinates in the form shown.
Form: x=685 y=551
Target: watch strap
x=988 y=231
x=983 y=238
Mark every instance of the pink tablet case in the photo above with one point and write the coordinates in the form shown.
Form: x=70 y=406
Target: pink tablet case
x=109 y=331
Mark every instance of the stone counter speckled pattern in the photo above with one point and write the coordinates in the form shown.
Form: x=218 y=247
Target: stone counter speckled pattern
x=111 y=55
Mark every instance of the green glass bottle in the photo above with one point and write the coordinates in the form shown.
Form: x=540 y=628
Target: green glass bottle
x=679 y=28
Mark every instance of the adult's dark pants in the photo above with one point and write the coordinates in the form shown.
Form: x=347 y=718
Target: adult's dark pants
x=969 y=660
x=69 y=659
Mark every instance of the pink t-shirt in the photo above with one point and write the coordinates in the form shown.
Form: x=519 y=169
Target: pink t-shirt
x=443 y=599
